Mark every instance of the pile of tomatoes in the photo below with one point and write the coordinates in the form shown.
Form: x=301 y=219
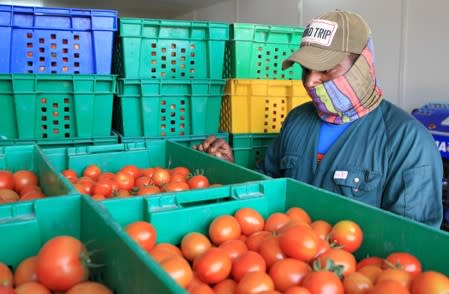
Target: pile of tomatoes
x=19 y=186
x=285 y=253
x=131 y=180
x=62 y=265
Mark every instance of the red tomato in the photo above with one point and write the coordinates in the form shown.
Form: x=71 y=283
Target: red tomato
x=299 y=242
x=179 y=269
x=288 y=272
x=194 y=244
x=198 y=287
x=250 y=220
x=373 y=260
x=255 y=282
x=298 y=214
x=227 y=286
x=340 y=257
x=6 y=276
x=30 y=195
x=256 y=239
x=26 y=271
x=430 y=282
x=406 y=261
x=160 y=177
x=322 y=282
x=168 y=247
x=347 y=234
x=148 y=190
x=70 y=175
x=395 y=274
x=92 y=171
x=106 y=176
x=133 y=170
x=249 y=261
x=98 y=197
x=356 y=283
x=89 y=288
x=62 y=263
x=29 y=188
x=323 y=246
x=103 y=188
x=388 y=286
x=276 y=221
x=6 y=180
x=180 y=170
x=7 y=290
x=371 y=271
x=23 y=178
x=142 y=181
x=224 y=227
x=198 y=182
x=147 y=172
x=322 y=228
x=234 y=248
x=32 y=288
x=143 y=233
x=297 y=290
x=175 y=187
x=271 y=251
x=124 y=180
x=213 y=266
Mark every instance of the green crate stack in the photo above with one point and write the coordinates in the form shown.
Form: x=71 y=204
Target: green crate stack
x=170 y=82
x=255 y=52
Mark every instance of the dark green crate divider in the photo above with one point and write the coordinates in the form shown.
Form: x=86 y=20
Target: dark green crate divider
x=256 y=51
x=30 y=157
x=170 y=49
x=184 y=140
x=384 y=232
x=143 y=154
x=54 y=107
x=25 y=227
x=113 y=139
x=250 y=148
x=146 y=108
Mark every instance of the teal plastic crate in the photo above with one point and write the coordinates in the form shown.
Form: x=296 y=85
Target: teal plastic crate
x=55 y=107
x=170 y=49
x=161 y=153
x=112 y=139
x=250 y=148
x=193 y=210
x=146 y=108
x=256 y=51
x=189 y=141
x=31 y=157
x=25 y=227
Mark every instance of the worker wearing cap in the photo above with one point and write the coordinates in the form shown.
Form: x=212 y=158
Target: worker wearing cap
x=349 y=140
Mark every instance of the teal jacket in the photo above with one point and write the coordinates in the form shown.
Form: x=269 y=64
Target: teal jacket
x=386 y=159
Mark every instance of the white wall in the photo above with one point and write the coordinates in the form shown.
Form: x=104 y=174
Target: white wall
x=409 y=36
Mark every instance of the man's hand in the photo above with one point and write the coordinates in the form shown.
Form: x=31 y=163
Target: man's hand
x=217 y=147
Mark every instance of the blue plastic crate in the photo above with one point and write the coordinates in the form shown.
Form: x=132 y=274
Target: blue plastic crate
x=56 y=40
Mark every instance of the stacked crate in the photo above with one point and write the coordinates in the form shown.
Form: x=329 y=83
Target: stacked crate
x=171 y=79
x=56 y=86
x=259 y=94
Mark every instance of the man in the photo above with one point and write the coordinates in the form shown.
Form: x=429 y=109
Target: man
x=349 y=140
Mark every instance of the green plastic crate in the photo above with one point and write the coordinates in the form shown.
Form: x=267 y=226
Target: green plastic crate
x=250 y=148
x=31 y=157
x=256 y=51
x=112 y=139
x=146 y=108
x=158 y=153
x=384 y=232
x=189 y=141
x=170 y=49
x=55 y=107
x=25 y=227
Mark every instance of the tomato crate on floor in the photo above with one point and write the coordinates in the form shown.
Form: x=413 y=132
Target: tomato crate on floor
x=158 y=107
x=170 y=49
x=250 y=148
x=31 y=157
x=194 y=210
x=256 y=51
x=44 y=107
x=158 y=153
x=56 y=40
x=26 y=227
x=259 y=106
x=189 y=140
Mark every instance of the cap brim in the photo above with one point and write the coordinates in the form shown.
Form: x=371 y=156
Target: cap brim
x=315 y=58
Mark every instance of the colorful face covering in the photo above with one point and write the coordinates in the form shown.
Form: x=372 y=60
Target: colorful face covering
x=350 y=96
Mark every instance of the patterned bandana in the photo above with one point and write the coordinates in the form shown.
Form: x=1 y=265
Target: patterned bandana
x=350 y=96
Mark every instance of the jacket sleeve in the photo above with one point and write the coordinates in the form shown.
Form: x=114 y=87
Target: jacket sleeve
x=270 y=164
x=414 y=180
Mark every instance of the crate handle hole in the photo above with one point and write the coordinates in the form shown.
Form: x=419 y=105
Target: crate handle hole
x=67 y=126
x=55 y=131
x=29 y=35
x=44 y=127
x=29 y=45
x=76 y=37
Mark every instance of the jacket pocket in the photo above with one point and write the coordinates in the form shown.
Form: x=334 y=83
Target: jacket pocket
x=359 y=183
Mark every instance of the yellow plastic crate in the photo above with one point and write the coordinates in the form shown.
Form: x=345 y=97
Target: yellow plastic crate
x=259 y=106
